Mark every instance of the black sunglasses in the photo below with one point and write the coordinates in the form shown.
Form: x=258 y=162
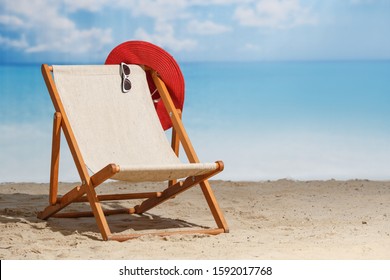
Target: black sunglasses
x=125 y=73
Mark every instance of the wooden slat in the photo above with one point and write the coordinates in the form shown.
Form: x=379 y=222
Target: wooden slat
x=55 y=158
x=189 y=149
x=124 y=237
x=124 y=196
x=97 y=210
x=72 y=143
x=104 y=174
x=77 y=192
x=175 y=144
x=175 y=118
x=65 y=200
x=213 y=205
x=88 y=184
x=173 y=191
x=91 y=214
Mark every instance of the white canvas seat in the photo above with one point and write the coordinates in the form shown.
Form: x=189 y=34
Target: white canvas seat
x=124 y=127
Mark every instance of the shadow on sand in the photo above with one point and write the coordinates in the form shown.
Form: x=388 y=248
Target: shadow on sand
x=16 y=208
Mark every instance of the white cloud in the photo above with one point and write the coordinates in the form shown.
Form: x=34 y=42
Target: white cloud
x=11 y=21
x=206 y=27
x=46 y=28
x=251 y=47
x=85 y=40
x=49 y=26
x=88 y=5
x=14 y=43
x=164 y=36
x=166 y=15
x=217 y=2
x=160 y=10
x=357 y=2
x=281 y=14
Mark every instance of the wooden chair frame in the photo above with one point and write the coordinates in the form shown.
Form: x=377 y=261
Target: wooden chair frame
x=85 y=192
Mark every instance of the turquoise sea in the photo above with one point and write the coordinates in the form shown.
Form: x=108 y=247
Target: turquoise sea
x=265 y=120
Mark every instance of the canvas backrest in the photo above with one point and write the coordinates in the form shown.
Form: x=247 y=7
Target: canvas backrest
x=111 y=126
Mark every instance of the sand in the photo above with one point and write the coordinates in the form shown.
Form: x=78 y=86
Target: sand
x=281 y=219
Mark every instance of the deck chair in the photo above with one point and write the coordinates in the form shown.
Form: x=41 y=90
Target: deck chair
x=116 y=135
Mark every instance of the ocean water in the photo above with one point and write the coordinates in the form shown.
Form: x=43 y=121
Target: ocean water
x=265 y=120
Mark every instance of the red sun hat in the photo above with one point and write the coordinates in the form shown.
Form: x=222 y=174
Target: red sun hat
x=145 y=53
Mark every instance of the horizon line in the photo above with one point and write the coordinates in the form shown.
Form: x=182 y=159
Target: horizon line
x=20 y=63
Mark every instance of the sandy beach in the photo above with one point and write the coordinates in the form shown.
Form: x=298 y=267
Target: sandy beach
x=281 y=219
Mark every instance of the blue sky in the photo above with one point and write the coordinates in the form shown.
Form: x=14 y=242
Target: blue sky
x=195 y=30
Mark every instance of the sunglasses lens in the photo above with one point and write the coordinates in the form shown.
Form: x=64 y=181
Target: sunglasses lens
x=126 y=69
x=126 y=85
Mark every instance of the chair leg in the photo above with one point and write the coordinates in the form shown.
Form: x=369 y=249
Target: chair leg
x=213 y=205
x=87 y=187
x=188 y=148
x=65 y=200
x=55 y=158
x=175 y=144
x=98 y=211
